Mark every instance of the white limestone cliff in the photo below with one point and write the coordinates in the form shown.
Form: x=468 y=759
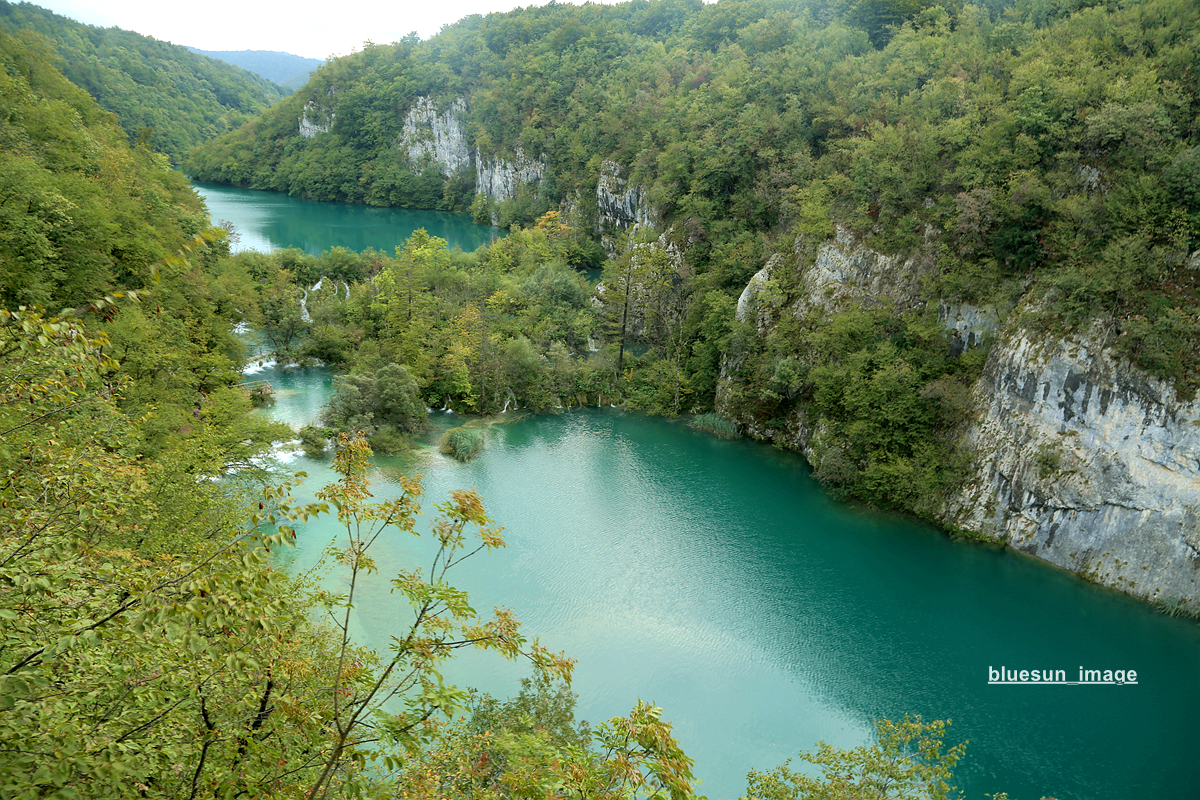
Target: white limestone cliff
x=440 y=137
x=499 y=178
x=620 y=206
x=1086 y=462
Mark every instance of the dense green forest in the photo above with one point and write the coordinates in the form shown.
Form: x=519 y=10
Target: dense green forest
x=163 y=94
x=1038 y=158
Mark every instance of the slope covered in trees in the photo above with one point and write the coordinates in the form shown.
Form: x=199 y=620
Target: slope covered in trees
x=163 y=94
x=81 y=210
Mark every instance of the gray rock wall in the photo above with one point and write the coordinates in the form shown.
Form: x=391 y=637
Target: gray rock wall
x=620 y=206
x=314 y=120
x=1086 y=462
x=499 y=178
x=970 y=326
x=441 y=137
x=845 y=271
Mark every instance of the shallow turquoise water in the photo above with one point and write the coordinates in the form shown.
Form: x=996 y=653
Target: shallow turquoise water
x=717 y=580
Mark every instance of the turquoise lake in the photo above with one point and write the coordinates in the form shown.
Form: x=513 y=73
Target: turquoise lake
x=266 y=221
x=716 y=579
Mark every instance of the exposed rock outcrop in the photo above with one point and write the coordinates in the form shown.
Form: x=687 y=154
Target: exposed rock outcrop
x=759 y=301
x=500 y=178
x=845 y=271
x=1088 y=463
x=620 y=205
x=440 y=137
x=314 y=120
x=970 y=326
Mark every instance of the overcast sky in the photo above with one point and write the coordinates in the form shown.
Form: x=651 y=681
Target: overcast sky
x=304 y=27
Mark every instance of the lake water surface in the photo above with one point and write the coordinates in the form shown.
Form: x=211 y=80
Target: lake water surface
x=266 y=221
x=716 y=579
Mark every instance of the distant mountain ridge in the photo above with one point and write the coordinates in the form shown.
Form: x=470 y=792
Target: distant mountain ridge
x=288 y=70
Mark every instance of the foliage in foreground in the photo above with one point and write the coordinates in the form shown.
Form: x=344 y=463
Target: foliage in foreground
x=907 y=762
x=532 y=747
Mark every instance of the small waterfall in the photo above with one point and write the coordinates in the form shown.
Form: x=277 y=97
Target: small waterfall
x=316 y=287
x=505 y=409
x=258 y=366
x=591 y=346
x=347 y=289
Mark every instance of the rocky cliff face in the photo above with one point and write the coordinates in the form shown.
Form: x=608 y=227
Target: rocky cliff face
x=620 y=205
x=1085 y=462
x=1081 y=459
x=440 y=137
x=499 y=178
x=313 y=120
x=840 y=272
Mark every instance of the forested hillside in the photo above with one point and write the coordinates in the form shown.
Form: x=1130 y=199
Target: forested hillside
x=163 y=94
x=1041 y=153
